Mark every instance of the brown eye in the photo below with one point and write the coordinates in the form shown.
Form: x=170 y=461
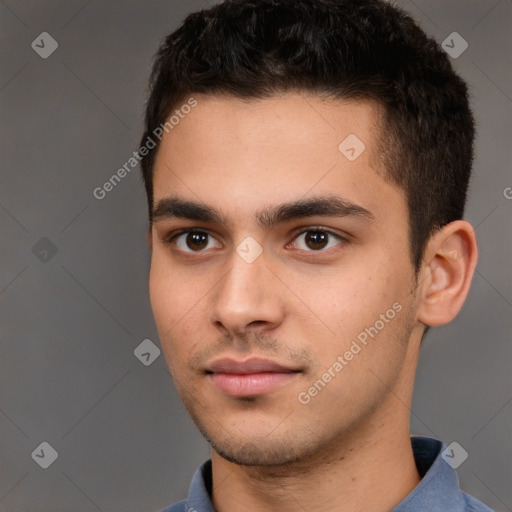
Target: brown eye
x=316 y=239
x=197 y=241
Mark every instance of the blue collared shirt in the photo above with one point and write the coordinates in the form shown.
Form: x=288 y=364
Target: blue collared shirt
x=438 y=490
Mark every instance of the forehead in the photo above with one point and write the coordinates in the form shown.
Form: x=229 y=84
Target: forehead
x=239 y=154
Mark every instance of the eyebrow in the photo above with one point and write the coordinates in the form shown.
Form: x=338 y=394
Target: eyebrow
x=332 y=206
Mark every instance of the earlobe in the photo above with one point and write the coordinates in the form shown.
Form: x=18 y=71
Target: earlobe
x=446 y=273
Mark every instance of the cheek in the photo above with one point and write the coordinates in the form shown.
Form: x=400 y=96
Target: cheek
x=163 y=300
x=172 y=294
x=351 y=298
x=169 y=301
x=177 y=307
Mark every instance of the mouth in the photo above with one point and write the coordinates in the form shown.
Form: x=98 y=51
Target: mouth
x=249 y=378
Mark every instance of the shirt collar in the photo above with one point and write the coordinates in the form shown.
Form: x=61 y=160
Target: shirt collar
x=437 y=491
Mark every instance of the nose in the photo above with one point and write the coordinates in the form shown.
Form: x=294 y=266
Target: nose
x=247 y=298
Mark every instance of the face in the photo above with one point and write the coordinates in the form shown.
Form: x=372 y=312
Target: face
x=281 y=275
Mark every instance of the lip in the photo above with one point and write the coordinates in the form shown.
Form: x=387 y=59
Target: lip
x=251 y=377
x=252 y=365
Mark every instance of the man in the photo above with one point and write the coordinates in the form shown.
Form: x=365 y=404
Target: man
x=306 y=170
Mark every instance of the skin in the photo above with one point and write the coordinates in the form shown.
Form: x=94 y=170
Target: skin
x=348 y=448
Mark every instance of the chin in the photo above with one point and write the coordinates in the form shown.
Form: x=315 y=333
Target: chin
x=258 y=448
x=254 y=454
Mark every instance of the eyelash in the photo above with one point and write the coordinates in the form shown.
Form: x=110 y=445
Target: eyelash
x=171 y=239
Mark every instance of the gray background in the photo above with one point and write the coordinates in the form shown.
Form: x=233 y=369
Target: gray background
x=70 y=321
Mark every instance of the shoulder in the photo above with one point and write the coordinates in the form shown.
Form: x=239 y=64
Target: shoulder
x=180 y=506
x=474 y=505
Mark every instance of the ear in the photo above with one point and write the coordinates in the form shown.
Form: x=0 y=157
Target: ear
x=149 y=237
x=446 y=272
